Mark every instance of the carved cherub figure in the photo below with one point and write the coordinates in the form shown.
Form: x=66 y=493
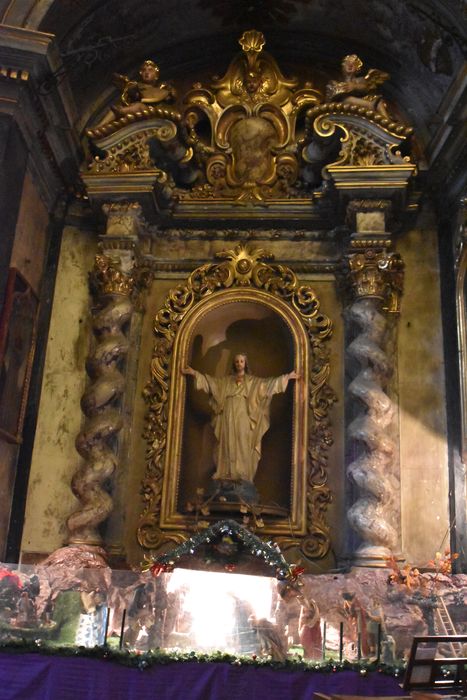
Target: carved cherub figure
x=138 y=94
x=358 y=89
x=147 y=91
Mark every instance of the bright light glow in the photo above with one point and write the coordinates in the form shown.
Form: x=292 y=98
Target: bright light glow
x=213 y=599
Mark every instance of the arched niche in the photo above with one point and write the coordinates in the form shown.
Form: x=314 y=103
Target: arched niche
x=275 y=340
x=242 y=303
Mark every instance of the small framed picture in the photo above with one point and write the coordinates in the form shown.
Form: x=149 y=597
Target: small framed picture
x=18 y=323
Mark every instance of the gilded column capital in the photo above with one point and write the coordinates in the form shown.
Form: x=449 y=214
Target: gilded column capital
x=118 y=266
x=108 y=277
x=113 y=275
x=374 y=274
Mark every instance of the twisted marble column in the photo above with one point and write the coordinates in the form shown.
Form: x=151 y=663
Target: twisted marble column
x=115 y=282
x=372 y=471
x=375 y=279
x=100 y=403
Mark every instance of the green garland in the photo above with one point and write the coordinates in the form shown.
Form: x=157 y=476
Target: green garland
x=267 y=551
x=144 y=661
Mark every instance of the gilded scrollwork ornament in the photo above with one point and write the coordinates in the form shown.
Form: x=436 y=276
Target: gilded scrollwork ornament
x=250 y=137
x=366 y=139
x=245 y=268
x=252 y=115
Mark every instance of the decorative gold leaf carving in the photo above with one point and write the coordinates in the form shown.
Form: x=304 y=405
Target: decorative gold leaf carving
x=252 y=114
x=132 y=153
x=368 y=139
x=242 y=266
x=374 y=273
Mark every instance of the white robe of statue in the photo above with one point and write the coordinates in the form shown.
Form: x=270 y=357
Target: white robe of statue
x=240 y=419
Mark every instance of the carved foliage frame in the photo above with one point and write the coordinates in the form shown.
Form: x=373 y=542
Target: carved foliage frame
x=242 y=267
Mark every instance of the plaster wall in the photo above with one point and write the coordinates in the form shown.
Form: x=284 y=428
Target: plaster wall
x=28 y=252
x=50 y=500
x=422 y=414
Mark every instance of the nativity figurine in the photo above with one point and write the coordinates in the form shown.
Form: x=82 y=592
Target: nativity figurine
x=270 y=641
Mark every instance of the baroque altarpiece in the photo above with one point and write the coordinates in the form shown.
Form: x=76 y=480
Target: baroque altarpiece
x=233 y=334
x=252 y=214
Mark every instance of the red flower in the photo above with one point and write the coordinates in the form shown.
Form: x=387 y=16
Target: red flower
x=296 y=571
x=159 y=568
x=156 y=569
x=14 y=579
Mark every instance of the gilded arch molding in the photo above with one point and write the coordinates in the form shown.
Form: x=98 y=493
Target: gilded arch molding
x=248 y=274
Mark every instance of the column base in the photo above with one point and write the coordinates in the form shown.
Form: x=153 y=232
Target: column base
x=78 y=556
x=373 y=556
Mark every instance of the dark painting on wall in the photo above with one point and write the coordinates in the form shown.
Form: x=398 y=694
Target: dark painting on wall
x=17 y=345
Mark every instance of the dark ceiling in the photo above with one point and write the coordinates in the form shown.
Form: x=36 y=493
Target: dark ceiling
x=421 y=43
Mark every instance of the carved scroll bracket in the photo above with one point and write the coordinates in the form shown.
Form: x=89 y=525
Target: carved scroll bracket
x=371 y=163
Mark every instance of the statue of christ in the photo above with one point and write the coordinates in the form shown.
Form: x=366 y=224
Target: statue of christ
x=240 y=406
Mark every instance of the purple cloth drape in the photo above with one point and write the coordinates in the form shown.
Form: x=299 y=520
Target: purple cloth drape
x=37 y=677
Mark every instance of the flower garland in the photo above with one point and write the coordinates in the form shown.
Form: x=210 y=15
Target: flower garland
x=158 y=657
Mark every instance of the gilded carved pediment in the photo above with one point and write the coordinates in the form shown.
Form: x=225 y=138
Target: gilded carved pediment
x=251 y=136
x=251 y=114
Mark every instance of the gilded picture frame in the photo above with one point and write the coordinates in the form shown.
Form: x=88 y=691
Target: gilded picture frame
x=244 y=276
x=171 y=517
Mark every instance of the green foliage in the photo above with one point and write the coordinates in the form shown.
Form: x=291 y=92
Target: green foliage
x=160 y=657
